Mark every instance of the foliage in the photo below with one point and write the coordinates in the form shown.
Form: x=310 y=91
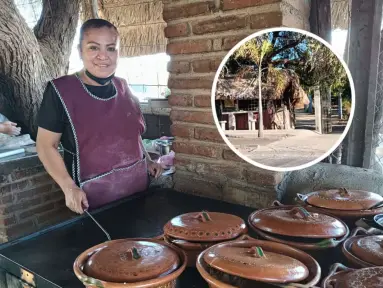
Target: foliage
x=321 y=67
x=278 y=77
x=346 y=106
x=313 y=62
x=167 y=93
x=255 y=50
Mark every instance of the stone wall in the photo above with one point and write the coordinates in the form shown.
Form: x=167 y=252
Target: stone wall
x=200 y=34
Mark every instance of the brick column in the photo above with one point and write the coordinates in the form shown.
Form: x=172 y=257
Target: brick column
x=200 y=34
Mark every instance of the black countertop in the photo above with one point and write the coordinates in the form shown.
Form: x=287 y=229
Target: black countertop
x=51 y=254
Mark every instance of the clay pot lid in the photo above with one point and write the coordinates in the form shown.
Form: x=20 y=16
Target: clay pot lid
x=369 y=249
x=371 y=277
x=254 y=263
x=131 y=261
x=297 y=222
x=343 y=199
x=205 y=226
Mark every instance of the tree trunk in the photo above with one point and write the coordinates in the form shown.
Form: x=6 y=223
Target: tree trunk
x=260 y=108
x=29 y=59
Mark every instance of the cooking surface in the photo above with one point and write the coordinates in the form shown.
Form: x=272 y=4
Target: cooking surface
x=51 y=255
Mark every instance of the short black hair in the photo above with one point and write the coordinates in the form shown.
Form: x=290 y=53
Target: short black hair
x=95 y=23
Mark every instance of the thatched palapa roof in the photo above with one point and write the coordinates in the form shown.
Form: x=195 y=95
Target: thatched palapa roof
x=284 y=83
x=139 y=22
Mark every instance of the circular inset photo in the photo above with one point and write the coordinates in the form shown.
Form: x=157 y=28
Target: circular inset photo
x=282 y=100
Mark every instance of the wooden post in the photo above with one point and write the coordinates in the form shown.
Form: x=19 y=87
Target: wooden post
x=320 y=19
x=94 y=8
x=325 y=95
x=366 y=18
x=318 y=111
x=340 y=108
x=320 y=24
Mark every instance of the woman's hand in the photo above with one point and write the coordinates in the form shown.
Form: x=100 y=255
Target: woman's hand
x=75 y=199
x=10 y=128
x=154 y=168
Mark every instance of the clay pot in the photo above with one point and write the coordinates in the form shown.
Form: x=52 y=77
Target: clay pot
x=130 y=263
x=364 y=250
x=295 y=226
x=341 y=276
x=194 y=232
x=348 y=205
x=252 y=263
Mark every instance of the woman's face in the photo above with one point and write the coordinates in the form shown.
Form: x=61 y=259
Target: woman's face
x=99 y=51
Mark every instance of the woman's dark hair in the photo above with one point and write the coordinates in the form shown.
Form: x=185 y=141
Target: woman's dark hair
x=94 y=23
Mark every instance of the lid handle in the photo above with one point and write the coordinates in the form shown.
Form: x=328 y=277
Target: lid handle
x=257 y=252
x=344 y=192
x=276 y=203
x=133 y=253
x=203 y=216
x=301 y=211
x=359 y=230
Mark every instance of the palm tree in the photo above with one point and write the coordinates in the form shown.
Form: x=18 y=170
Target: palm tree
x=255 y=50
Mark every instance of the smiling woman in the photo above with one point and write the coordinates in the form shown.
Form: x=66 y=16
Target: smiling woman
x=98 y=121
x=99 y=50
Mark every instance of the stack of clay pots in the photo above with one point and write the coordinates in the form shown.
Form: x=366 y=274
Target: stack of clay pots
x=308 y=244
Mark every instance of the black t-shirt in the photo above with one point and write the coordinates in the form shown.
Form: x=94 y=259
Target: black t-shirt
x=53 y=117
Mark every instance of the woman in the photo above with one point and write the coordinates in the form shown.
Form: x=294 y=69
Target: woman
x=99 y=124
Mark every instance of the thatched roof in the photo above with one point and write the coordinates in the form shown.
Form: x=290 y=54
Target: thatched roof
x=340 y=14
x=275 y=88
x=140 y=24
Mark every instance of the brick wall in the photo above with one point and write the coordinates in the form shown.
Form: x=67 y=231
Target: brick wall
x=200 y=34
x=29 y=199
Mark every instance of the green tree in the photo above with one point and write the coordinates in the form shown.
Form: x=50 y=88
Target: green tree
x=256 y=49
x=313 y=62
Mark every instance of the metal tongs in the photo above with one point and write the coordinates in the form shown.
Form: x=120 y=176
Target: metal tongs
x=98 y=224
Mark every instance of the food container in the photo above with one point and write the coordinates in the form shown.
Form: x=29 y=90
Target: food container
x=194 y=232
x=348 y=205
x=128 y=263
x=365 y=250
x=297 y=227
x=252 y=263
x=341 y=276
x=164 y=146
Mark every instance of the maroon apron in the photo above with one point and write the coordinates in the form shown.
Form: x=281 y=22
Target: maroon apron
x=110 y=163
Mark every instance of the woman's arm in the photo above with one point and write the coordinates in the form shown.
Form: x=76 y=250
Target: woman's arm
x=47 y=148
x=154 y=168
x=47 y=143
x=9 y=128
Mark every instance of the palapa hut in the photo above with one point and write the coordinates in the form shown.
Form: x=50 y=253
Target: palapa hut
x=237 y=100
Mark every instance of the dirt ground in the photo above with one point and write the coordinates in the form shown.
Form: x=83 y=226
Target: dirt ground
x=287 y=148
